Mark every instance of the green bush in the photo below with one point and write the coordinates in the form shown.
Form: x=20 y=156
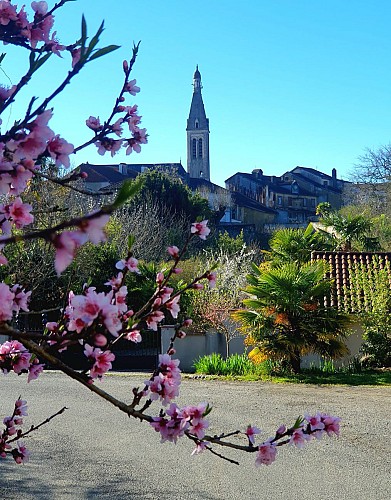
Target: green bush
x=234 y=365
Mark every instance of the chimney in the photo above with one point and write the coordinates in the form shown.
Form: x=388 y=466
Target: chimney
x=334 y=177
x=122 y=168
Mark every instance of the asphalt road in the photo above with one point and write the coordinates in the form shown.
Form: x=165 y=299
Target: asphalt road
x=94 y=451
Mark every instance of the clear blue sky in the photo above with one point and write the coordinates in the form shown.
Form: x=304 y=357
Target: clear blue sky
x=286 y=82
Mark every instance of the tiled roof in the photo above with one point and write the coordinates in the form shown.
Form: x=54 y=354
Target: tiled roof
x=103 y=173
x=351 y=292
x=318 y=184
x=195 y=183
x=244 y=201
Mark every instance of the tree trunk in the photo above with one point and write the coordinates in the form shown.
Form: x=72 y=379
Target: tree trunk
x=294 y=359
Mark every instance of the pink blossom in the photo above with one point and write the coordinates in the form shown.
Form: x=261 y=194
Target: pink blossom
x=100 y=340
x=201 y=229
x=21 y=299
x=159 y=278
x=94 y=123
x=153 y=319
x=173 y=306
x=66 y=245
x=21 y=454
x=14 y=356
x=94 y=226
x=131 y=110
x=31 y=146
x=40 y=8
x=116 y=281
x=251 y=432
x=130 y=264
x=199 y=428
x=198 y=286
x=315 y=422
x=21 y=407
x=200 y=447
x=19 y=212
x=133 y=122
x=165 y=385
x=117 y=128
x=59 y=149
x=40 y=30
x=54 y=45
x=132 y=88
x=165 y=294
x=111 y=320
x=160 y=425
x=134 y=336
x=173 y=251
x=120 y=299
x=107 y=144
x=7 y=13
x=34 y=371
x=331 y=424
x=139 y=137
x=6 y=302
x=266 y=454
x=102 y=360
x=52 y=326
x=298 y=438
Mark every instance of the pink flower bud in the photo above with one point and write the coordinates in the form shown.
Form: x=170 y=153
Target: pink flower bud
x=171 y=351
x=122 y=99
x=281 y=429
x=100 y=340
x=177 y=270
x=187 y=322
x=83 y=175
x=198 y=286
x=181 y=334
x=125 y=66
x=159 y=278
x=173 y=251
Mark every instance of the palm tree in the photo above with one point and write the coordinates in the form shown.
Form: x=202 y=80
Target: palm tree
x=296 y=244
x=349 y=232
x=285 y=318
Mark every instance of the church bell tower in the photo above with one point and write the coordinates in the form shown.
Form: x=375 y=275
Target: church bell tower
x=198 y=134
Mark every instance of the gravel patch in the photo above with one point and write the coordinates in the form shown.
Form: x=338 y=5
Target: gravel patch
x=93 y=451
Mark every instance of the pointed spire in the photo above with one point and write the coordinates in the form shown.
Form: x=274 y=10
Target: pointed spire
x=197 y=80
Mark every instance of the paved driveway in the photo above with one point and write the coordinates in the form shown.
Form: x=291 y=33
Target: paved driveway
x=93 y=451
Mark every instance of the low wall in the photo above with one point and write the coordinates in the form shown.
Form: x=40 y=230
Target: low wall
x=195 y=345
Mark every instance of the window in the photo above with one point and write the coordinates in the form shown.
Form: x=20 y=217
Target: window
x=194 y=148
x=199 y=148
x=279 y=200
x=196 y=124
x=325 y=183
